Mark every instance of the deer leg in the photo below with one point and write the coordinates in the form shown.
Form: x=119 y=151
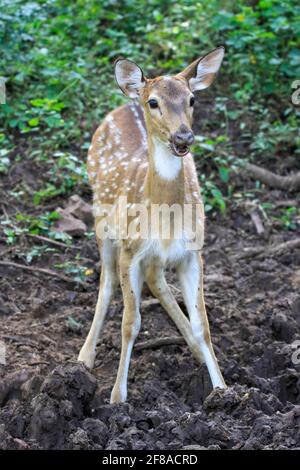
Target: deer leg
x=108 y=282
x=160 y=289
x=131 y=283
x=190 y=273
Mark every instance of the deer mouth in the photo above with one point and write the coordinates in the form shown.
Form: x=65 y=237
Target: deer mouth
x=180 y=150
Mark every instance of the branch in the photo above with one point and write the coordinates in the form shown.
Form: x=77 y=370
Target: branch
x=52 y=242
x=286 y=203
x=290 y=183
x=257 y=222
x=6 y=251
x=21 y=340
x=48 y=272
x=157 y=343
x=273 y=250
x=285 y=246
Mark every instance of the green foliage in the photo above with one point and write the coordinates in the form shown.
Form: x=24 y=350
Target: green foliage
x=73 y=325
x=215 y=157
x=57 y=57
x=286 y=217
x=66 y=172
x=34 y=225
x=37 y=225
x=78 y=272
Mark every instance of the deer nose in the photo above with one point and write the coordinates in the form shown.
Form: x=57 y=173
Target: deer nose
x=183 y=137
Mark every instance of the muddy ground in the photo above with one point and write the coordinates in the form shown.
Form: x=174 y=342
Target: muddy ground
x=48 y=401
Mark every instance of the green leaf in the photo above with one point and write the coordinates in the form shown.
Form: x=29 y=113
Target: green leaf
x=34 y=122
x=224 y=174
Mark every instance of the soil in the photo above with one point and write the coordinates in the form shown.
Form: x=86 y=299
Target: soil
x=49 y=401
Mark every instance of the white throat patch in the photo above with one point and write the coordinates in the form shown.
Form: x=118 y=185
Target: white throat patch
x=166 y=163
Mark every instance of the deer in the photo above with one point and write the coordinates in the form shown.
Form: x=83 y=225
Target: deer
x=141 y=152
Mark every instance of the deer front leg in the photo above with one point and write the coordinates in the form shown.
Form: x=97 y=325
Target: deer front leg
x=108 y=282
x=191 y=279
x=160 y=289
x=88 y=351
x=131 y=283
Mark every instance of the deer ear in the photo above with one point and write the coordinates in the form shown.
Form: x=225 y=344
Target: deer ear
x=129 y=77
x=201 y=73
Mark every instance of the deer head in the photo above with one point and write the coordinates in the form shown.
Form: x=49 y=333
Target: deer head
x=168 y=101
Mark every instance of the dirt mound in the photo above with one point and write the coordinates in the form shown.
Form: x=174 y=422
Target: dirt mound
x=48 y=401
x=65 y=413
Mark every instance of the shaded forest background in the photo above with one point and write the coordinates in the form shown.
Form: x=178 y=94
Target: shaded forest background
x=57 y=58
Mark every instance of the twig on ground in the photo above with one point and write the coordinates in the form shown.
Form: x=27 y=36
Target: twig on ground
x=52 y=242
x=257 y=222
x=47 y=272
x=273 y=250
x=157 y=343
x=149 y=303
x=290 y=183
x=4 y=211
x=38 y=363
x=287 y=203
x=174 y=289
x=285 y=246
x=20 y=340
x=6 y=251
x=45 y=339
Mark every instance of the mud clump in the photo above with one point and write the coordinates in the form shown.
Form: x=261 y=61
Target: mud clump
x=54 y=415
x=61 y=416
x=49 y=402
x=64 y=397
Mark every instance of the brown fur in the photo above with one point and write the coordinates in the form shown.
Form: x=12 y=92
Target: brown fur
x=120 y=162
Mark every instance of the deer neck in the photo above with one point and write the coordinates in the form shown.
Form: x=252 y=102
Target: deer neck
x=165 y=177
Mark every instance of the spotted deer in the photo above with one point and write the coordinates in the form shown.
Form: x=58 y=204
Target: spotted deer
x=141 y=152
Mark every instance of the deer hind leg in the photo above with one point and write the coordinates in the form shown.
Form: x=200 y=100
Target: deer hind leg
x=108 y=283
x=131 y=282
x=160 y=289
x=190 y=273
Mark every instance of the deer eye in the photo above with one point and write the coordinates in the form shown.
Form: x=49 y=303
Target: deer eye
x=153 y=104
x=192 y=101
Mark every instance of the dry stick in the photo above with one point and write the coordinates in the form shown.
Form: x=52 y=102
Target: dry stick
x=4 y=211
x=38 y=363
x=157 y=343
x=285 y=246
x=290 y=183
x=271 y=251
x=21 y=340
x=48 y=272
x=52 y=242
x=6 y=251
x=259 y=227
x=149 y=303
x=287 y=203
